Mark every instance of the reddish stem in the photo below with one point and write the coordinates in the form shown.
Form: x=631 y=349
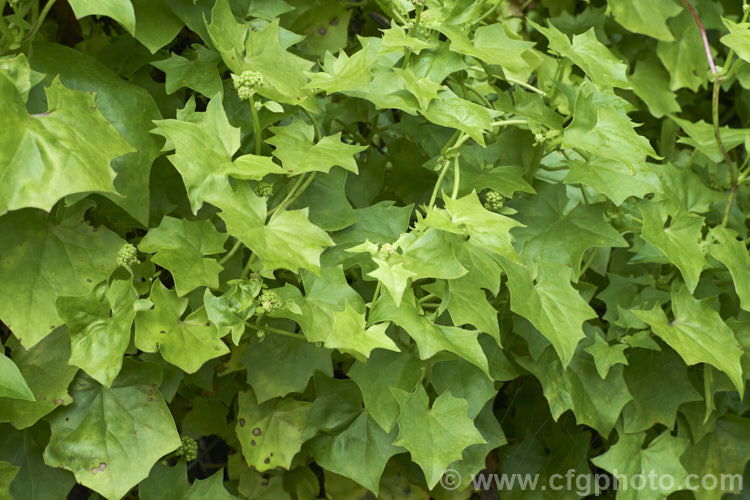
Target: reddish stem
x=703 y=35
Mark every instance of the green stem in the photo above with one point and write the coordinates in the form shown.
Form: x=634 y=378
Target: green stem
x=231 y=252
x=289 y=195
x=452 y=140
x=271 y=329
x=502 y=123
x=38 y=24
x=248 y=266
x=489 y=12
x=318 y=133
x=375 y=295
x=525 y=85
x=295 y=194
x=439 y=182
x=256 y=125
x=4 y=29
x=456 y=177
x=481 y=97
x=427 y=297
x=583 y=193
x=588 y=262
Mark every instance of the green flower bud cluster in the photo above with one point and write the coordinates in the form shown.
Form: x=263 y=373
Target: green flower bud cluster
x=256 y=278
x=493 y=200
x=247 y=83
x=386 y=250
x=127 y=255
x=188 y=449
x=270 y=301
x=264 y=189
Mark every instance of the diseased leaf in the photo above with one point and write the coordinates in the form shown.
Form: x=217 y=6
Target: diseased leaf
x=43 y=260
x=118 y=431
x=271 y=433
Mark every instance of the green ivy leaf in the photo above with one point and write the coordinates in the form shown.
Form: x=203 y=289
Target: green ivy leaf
x=605 y=132
x=46 y=370
x=119 y=10
x=360 y=452
x=180 y=246
x=287 y=241
x=588 y=53
x=111 y=436
x=465 y=381
x=605 y=355
x=115 y=99
x=686 y=334
x=99 y=325
x=655 y=403
x=660 y=457
x=492 y=45
x=738 y=38
x=677 y=236
x=724 y=451
x=421 y=430
x=385 y=369
x=685 y=57
x=295 y=148
x=613 y=179
x=542 y=293
x=68 y=165
x=551 y=231
x=647 y=18
x=8 y=473
x=187 y=343
x=488 y=229
x=279 y=365
x=595 y=401
x=12 y=383
x=430 y=337
x=198 y=73
x=733 y=254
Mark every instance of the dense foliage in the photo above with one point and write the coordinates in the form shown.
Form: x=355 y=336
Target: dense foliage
x=319 y=248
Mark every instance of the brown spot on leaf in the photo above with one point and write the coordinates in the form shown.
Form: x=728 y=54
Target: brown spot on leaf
x=59 y=401
x=149 y=399
x=322 y=31
x=162 y=331
x=242 y=422
x=267 y=460
x=256 y=431
x=252 y=442
x=89 y=280
x=334 y=21
x=51 y=327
